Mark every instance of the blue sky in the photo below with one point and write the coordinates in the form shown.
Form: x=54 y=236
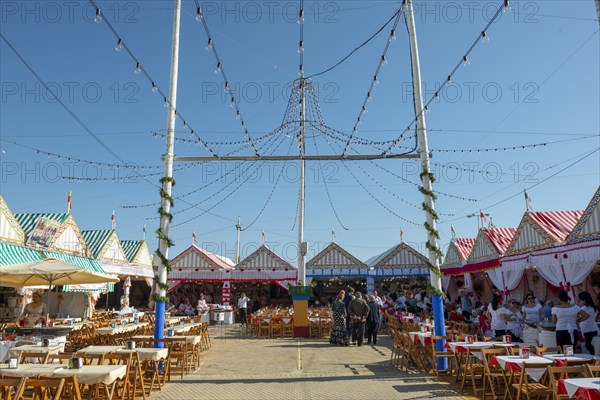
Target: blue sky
x=536 y=81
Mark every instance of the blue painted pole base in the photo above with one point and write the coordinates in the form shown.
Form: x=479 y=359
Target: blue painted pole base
x=159 y=323
x=440 y=329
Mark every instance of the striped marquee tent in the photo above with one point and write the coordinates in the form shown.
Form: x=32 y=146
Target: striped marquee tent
x=490 y=245
x=196 y=264
x=67 y=238
x=457 y=254
x=588 y=226
x=333 y=260
x=10 y=230
x=12 y=254
x=139 y=258
x=263 y=265
x=541 y=229
x=570 y=261
x=400 y=260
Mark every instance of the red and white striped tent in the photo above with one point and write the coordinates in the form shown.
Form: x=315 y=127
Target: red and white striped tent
x=570 y=261
x=400 y=260
x=199 y=265
x=490 y=245
x=456 y=256
x=263 y=265
x=334 y=260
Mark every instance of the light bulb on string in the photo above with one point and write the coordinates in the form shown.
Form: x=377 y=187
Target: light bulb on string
x=198 y=14
x=449 y=78
x=138 y=68
x=364 y=110
x=119 y=45
x=166 y=103
x=466 y=61
x=392 y=35
x=375 y=80
x=383 y=60
x=301 y=17
x=369 y=97
x=238 y=115
x=209 y=44
x=218 y=69
x=426 y=110
x=301 y=47
x=506 y=6
x=232 y=102
x=226 y=87
x=484 y=37
x=154 y=87
x=98 y=17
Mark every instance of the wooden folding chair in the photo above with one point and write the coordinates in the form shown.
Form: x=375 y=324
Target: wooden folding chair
x=276 y=328
x=527 y=386
x=541 y=350
x=26 y=357
x=71 y=389
x=123 y=385
x=472 y=368
x=61 y=358
x=435 y=354
x=43 y=389
x=582 y=361
x=555 y=374
x=12 y=388
x=493 y=373
x=592 y=371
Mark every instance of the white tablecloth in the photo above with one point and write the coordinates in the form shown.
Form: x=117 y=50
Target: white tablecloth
x=145 y=353
x=87 y=374
x=573 y=384
x=15 y=351
x=5 y=345
x=575 y=357
x=535 y=373
x=119 y=329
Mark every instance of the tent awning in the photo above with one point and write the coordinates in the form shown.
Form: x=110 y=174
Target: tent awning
x=12 y=254
x=87 y=263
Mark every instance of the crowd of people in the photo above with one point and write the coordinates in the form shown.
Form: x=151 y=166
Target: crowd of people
x=357 y=316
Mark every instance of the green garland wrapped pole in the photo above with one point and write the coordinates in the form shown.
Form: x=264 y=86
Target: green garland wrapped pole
x=161 y=257
x=427 y=178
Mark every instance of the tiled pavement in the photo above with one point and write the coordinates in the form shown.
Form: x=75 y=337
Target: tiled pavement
x=241 y=367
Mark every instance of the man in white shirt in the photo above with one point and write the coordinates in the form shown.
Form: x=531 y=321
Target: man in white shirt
x=243 y=306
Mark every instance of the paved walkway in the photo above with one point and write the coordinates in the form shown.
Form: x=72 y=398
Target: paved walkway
x=241 y=367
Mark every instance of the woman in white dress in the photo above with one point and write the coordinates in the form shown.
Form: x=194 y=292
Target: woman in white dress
x=35 y=312
x=566 y=316
x=532 y=311
x=588 y=326
x=498 y=314
x=513 y=323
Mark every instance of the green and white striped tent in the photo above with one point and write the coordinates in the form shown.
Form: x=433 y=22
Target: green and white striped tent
x=67 y=238
x=139 y=257
x=11 y=254
x=87 y=263
x=10 y=230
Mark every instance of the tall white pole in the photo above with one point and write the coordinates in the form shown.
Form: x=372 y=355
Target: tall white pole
x=167 y=183
x=436 y=281
x=238 y=227
x=301 y=255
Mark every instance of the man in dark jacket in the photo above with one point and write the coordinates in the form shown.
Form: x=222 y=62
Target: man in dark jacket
x=359 y=311
x=347 y=299
x=373 y=320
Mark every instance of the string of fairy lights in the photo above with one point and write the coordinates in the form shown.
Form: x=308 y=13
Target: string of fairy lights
x=141 y=70
x=248 y=175
x=464 y=60
x=220 y=69
x=217 y=179
x=374 y=82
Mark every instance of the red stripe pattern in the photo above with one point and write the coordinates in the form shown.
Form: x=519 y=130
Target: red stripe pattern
x=557 y=224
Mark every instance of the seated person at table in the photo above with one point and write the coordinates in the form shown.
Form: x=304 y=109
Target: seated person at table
x=35 y=312
x=186 y=307
x=202 y=306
